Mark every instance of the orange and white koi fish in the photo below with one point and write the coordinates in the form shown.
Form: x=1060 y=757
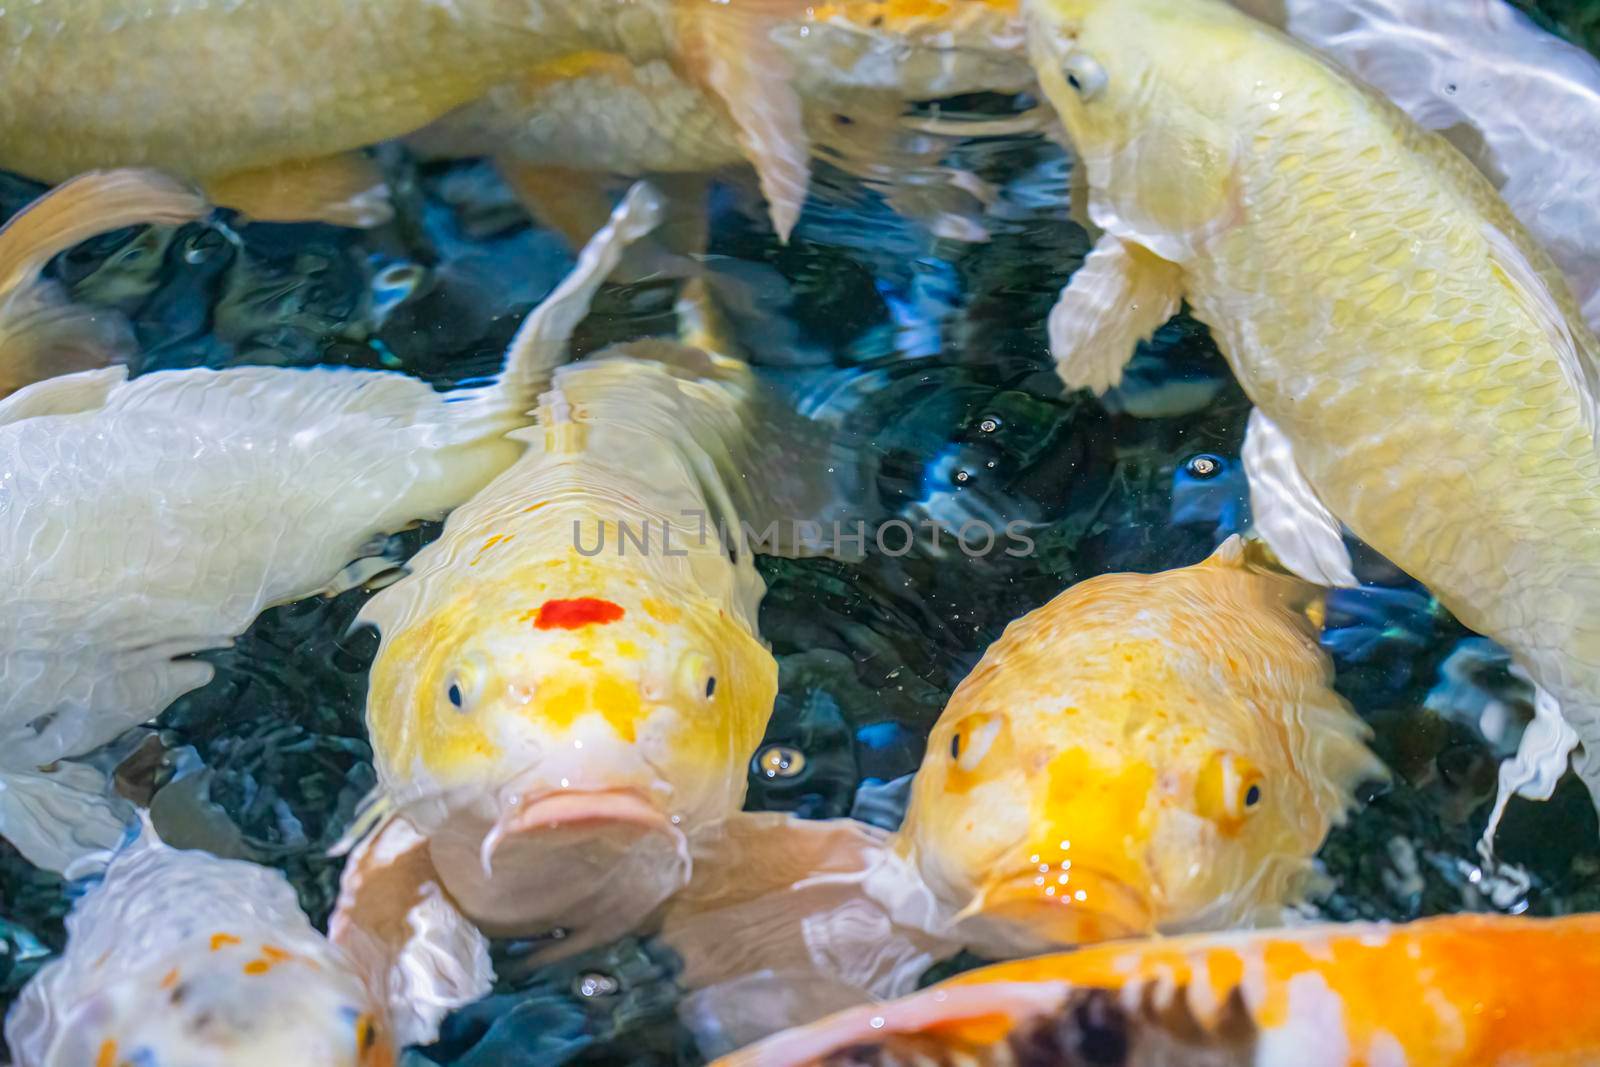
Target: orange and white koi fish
x=1144 y=753
x=181 y=959
x=41 y=334
x=560 y=716
x=1420 y=369
x=1457 y=991
x=1521 y=103
x=144 y=520
x=123 y=83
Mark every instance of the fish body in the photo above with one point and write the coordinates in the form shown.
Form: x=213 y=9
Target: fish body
x=1145 y=753
x=186 y=960
x=1419 y=367
x=121 y=83
x=1458 y=991
x=143 y=520
x=1521 y=103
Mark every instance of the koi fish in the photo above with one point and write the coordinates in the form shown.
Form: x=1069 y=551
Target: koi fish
x=854 y=66
x=41 y=334
x=144 y=520
x=118 y=83
x=1456 y=991
x=1144 y=753
x=1420 y=369
x=1522 y=104
x=182 y=959
x=559 y=720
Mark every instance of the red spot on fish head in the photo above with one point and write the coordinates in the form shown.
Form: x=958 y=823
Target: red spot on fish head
x=572 y=614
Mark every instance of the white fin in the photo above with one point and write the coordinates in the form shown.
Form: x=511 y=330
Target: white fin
x=774 y=893
x=65 y=395
x=541 y=343
x=1288 y=515
x=62 y=819
x=41 y=334
x=729 y=50
x=1541 y=760
x=1578 y=365
x=1119 y=297
x=407 y=939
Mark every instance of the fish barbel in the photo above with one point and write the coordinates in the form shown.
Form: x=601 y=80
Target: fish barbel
x=1457 y=991
x=1419 y=366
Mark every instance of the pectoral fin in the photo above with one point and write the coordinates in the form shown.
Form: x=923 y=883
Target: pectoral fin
x=1288 y=514
x=406 y=937
x=797 y=898
x=344 y=190
x=41 y=334
x=1119 y=297
x=62 y=819
x=729 y=50
x=1540 y=761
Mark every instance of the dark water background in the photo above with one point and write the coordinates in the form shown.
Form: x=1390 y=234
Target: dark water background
x=934 y=353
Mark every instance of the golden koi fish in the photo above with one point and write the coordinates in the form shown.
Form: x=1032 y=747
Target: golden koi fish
x=41 y=334
x=1460 y=991
x=263 y=101
x=183 y=959
x=570 y=684
x=1143 y=753
x=1419 y=367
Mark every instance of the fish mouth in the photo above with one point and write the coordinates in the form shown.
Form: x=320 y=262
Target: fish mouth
x=1033 y=910
x=583 y=865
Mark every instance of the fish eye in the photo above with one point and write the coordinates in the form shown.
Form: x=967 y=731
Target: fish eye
x=711 y=686
x=1086 y=76
x=455 y=693
x=1203 y=466
x=1229 y=790
x=461 y=688
x=1252 y=796
x=780 y=761
x=974 y=736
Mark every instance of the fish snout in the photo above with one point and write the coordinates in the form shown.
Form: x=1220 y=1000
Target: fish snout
x=1052 y=905
x=591 y=862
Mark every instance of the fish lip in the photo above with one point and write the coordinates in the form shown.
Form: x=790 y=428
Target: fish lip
x=566 y=808
x=1016 y=902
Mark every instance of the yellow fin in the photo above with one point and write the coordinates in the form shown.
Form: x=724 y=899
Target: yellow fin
x=345 y=190
x=41 y=335
x=728 y=49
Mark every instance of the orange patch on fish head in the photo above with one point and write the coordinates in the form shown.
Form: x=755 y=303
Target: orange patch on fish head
x=576 y=613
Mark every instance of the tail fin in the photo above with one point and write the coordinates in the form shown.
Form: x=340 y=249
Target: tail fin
x=41 y=335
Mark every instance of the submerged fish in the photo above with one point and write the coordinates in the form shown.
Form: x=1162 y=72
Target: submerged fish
x=144 y=520
x=1419 y=366
x=1143 y=753
x=123 y=83
x=1521 y=103
x=570 y=683
x=185 y=960
x=854 y=67
x=41 y=334
x=1460 y=991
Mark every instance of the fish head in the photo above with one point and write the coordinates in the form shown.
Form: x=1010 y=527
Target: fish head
x=232 y=1001
x=566 y=746
x=1147 y=752
x=1142 y=88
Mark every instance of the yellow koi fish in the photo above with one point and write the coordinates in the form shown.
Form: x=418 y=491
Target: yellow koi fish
x=41 y=334
x=570 y=684
x=855 y=67
x=185 y=960
x=1419 y=367
x=262 y=102
x=1143 y=753
x=1458 y=991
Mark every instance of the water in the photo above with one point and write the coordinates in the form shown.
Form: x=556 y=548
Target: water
x=935 y=350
